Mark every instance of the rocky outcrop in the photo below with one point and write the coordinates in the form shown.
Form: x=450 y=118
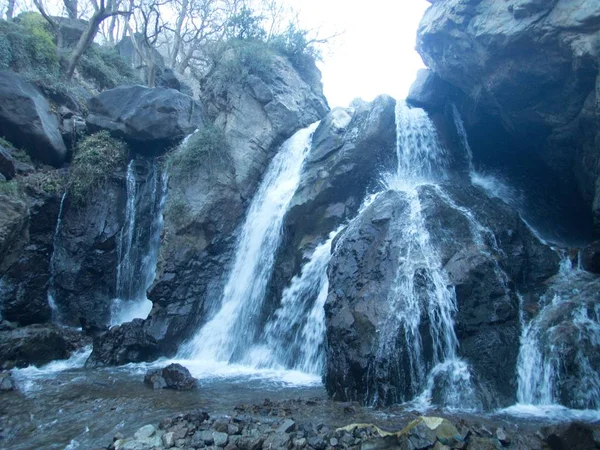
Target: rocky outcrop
x=27 y=121
x=173 y=376
x=204 y=208
x=486 y=256
x=7 y=164
x=37 y=345
x=428 y=91
x=123 y=344
x=532 y=66
x=150 y=120
x=351 y=150
x=86 y=259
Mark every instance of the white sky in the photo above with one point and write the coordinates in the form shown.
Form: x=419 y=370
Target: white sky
x=376 y=53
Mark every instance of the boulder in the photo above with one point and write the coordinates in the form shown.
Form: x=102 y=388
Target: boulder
x=428 y=91
x=14 y=216
x=27 y=121
x=532 y=65
x=123 y=344
x=38 y=344
x=351 y=149
x=150 y=120
x=173 y=376
x=370 y=357
x=7 y=164
x=7 y=383
x=590 y=257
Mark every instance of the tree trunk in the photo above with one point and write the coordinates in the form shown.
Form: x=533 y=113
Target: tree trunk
x=84 y=42
x=72 y=8
x=10 y=10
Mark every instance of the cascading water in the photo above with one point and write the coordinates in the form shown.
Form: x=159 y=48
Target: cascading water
x=235 y=326
x=420 y=284
x=139 y=243
x=55 y=242
x=546 y=360
x=293 y=338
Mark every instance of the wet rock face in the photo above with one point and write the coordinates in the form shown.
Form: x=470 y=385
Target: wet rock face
x=27 y=121
x=483 y=265
x=256 y=117
x=351 y=148
x=37 y=345
x=150 y=120
x=532 y=65
x=123 y=344
x=85 y=262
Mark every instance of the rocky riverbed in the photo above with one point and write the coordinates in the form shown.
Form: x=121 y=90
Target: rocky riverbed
x=273 y=425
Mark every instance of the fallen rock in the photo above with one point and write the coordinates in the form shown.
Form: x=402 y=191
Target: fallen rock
x=27 y=121
x=174 y=376
x=7 y=164
x=38 y=344
x=150 y=120
x=6 y=382
x=428 y=91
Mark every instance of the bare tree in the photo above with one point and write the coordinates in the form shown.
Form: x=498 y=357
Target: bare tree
x=10 y=9
x=102 y=11
x=149 y=25
x=72 y=8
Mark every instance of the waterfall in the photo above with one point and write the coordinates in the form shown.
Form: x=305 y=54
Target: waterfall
x=294 y=337
x=421 y=286
x=139 y=242
x=544 y=357
x=235 y=325
x=51 y=285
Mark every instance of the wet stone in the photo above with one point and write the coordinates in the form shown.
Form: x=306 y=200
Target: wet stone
x=220 y=439
x=287 y=426
x=168 y=440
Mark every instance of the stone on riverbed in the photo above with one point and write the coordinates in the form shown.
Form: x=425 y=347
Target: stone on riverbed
x=174 y=376
x=6 y=382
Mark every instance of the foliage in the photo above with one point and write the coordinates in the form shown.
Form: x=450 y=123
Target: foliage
x=96 y=159
x=106 y=67
x=245 y=25
x=45 y=181
x=207 y=148
x=10 y=188
x=27 y=46
x=177 y=209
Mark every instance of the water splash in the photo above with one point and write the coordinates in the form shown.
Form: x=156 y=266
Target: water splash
x=51 y=294
x=139 y=245
x=235 y=326
x=294 y=336
x=421 y=288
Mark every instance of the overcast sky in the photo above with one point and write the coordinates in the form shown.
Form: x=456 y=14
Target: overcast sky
x=376 y=53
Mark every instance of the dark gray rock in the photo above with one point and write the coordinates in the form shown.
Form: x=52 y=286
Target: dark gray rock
x=7 y=383
x=428 y=91
x=173 y=376
x=150 y=120
x=38 y=344
x=485 y=264
x=27 y=121
x=590 y=258
x=350 y=151
x=123 y=344
x=533 y=66
x=7 y=164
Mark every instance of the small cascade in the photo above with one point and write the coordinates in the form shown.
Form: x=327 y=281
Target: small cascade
x=139 y=241
x=294 y=337
x=234 y=327
x=464 y=141
x=552 y=370
x=55 y=242
x=421 y=288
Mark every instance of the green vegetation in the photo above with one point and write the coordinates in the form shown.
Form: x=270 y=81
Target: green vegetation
x=206 y=149
x=177 y=210
x=96 y=159
x=27 y=46
x=105 y=67
x=10 y=188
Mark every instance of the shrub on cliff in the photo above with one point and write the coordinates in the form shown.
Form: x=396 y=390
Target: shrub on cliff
x=106 y=67
x=27 y=46
x=205 y=149
x=96 y=159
